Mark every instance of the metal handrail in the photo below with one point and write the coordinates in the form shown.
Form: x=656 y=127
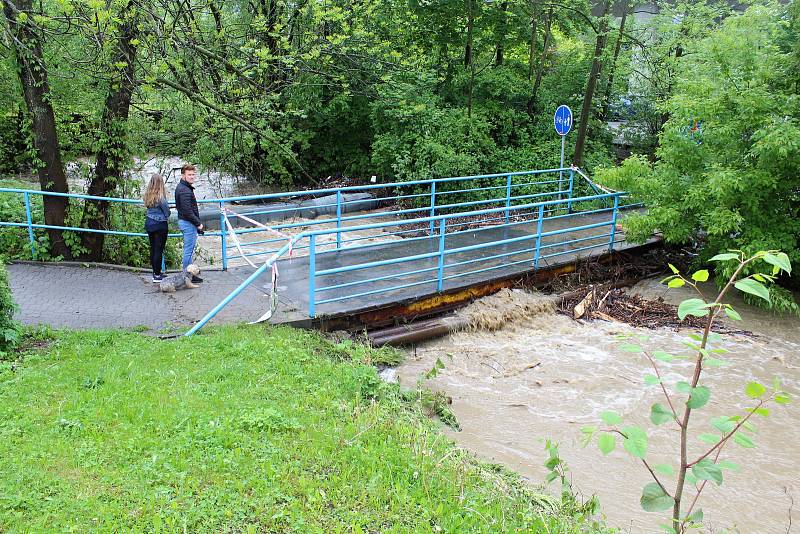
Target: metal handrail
x=441 y=219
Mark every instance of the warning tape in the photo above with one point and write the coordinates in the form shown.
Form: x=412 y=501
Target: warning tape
x=273 y=294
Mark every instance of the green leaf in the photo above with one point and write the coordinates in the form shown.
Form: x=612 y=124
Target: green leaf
x=705 y=469
x=666 y=528
x=551 y=476
x=782 y=398
x=699 y=397
x=723 y=424
x=676 y=282
x=700 y=276
x=779 y=260
x=664 y=469
x=628 y=347
x=683 y=387
x=691 y=479
x=714 y=362
x=743 y=440
x=607 y=443
x=727 y=464
x=696 y=517
x=709 y=438
x=654 y=499
x=673 y=268
x=635 y=441
x=662 y=356
x=725 y=257
x=651 y=380
x=696 y=307
x=748 y=285
x=763 y=412
x=659 y=414
x=754 y=390
x=610 y=417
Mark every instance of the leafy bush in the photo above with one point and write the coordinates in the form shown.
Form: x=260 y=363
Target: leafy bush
x=9 y=329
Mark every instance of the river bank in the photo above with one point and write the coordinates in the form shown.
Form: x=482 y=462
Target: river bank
x=544 y=376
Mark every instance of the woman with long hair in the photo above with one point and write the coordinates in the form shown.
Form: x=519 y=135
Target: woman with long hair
x=155 y=200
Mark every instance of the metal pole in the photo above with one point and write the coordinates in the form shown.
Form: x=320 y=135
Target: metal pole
x=433 y=205
x=338 y=220
x=508 y=196
x=312 y=270
x=561 y=172
x=571 y=182
x=537 y=252
x=222 y=232
x=30 y=228
x=440 y=275
x=614 y=224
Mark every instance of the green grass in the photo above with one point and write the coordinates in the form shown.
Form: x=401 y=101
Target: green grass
x=241 y=429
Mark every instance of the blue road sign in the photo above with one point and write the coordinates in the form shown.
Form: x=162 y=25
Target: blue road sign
x=563 y=120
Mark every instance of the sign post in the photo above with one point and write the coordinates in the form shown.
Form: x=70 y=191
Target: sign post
x=562 y=120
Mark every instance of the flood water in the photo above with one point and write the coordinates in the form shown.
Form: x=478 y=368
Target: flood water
x=508 y=405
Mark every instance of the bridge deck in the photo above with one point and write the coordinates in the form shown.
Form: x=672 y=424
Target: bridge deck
x=293 y=287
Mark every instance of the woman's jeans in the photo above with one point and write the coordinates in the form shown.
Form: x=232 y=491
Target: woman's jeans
x=157 y=233
x=189 y=232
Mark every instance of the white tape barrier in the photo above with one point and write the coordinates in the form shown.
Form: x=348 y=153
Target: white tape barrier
x=273 y=294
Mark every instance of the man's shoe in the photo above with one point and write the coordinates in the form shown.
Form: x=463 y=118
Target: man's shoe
x=196 y=280
x=158 y=278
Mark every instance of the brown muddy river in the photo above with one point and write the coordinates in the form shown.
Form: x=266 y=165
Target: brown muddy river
x=508 y=405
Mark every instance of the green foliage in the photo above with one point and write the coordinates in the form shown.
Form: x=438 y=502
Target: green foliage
x=9 y=328
x=737 y=429
x=241 y=429
x=736 y=188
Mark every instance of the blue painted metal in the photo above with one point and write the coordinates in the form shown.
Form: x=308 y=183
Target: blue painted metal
x=613 y=224
x=223 y=238
x=537 y=252
x=508 y=196
x=571 y=185
x=338 y=220
x=312 y=275
x=433 y=205
x=440 y=274
x=562 y=120
x=30 y=225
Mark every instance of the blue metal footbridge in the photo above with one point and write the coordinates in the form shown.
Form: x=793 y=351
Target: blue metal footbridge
x=382 y=245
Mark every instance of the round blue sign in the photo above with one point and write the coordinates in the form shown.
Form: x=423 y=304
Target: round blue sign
x=563 y=120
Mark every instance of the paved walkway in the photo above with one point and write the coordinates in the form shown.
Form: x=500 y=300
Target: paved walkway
x=94 y=297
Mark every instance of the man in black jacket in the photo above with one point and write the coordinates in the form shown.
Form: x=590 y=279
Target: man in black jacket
x=188 y=215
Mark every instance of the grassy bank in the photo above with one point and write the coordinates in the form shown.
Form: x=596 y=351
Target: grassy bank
x=242 y=429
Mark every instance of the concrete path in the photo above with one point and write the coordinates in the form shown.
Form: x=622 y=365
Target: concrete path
x=66 y=296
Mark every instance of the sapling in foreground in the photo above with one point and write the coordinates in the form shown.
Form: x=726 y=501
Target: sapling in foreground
x=683 y=398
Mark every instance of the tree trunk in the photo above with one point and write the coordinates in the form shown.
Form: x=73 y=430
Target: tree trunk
x=534 y=31
x=610 y=81
x=540 y=70
x=501 y=37
x=32 y=72
x=470 y=29
x=594 y=73
x=113 y=148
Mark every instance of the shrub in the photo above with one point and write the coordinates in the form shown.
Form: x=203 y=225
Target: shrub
x=9 y=328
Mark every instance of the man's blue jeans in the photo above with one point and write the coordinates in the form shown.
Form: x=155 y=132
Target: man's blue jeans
x=189 y=232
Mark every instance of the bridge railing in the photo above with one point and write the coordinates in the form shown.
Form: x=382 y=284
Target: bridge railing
x=454 y=253
x=540 y=244
x=336 y=207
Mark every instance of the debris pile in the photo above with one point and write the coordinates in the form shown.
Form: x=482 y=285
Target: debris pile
x=615 y=304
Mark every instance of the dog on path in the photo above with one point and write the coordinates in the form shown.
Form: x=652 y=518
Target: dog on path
x=182 y=280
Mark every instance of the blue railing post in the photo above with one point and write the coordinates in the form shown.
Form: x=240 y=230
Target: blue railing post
x=312 y=273
x=222 y=233
x=338 y=220
x=571 y=185
x=537 y=252
x=30 y=223
x=508 y=196
x=614 y=224
x=433 y=205
x=440 y=272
